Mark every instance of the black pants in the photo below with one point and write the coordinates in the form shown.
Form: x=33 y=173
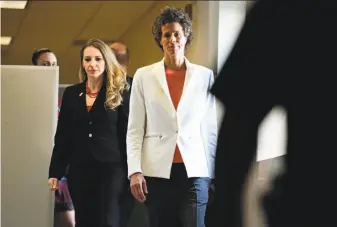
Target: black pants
x=178 y=201
x=100 y=194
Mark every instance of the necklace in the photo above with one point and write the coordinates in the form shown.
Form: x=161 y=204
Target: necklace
x=88 y=91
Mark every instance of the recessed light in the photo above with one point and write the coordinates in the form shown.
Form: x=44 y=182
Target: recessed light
x=13 y=4
x=5 y=40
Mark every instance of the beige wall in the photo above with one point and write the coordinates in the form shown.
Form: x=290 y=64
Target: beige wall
x=27 y=143
x=143 y=48
x=138 y=37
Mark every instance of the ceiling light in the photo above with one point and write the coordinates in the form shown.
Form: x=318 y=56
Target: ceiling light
x=13 y=4
x=5 y=40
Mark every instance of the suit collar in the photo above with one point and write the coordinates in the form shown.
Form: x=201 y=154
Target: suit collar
x=82 y=97
x=159 y=71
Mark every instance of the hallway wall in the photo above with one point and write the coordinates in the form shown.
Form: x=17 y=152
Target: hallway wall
x=138 y=37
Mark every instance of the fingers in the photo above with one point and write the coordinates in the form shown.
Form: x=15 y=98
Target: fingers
x=145 y=187
x=137 y=192
x=138 y=187
x=53 y=184
x=140 y=192
x=133 y=191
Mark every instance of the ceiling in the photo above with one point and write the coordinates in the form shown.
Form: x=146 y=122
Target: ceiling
x=56 y=24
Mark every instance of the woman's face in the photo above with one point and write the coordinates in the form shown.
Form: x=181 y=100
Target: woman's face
x=93 y=62
x=173 y=39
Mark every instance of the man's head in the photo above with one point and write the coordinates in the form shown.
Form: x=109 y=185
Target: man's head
x=122 y=53
x=44 y=57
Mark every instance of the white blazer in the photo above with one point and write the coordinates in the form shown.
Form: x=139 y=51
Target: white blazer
x=155 y=127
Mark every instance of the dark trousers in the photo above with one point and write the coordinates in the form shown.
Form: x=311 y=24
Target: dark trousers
x=210 y=217
x=100 y=194
x=178 y=201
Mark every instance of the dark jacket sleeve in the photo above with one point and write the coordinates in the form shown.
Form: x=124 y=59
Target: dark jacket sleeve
x=122 y=124
x=62 y=140
x=129 y=79
x=244 y=87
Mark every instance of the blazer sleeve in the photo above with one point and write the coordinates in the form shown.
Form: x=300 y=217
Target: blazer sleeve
x=136 y=126
x=62 y=140
x=210 y=127
x=122 y=124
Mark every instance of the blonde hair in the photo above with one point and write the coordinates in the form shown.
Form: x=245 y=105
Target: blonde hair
x=114 y=75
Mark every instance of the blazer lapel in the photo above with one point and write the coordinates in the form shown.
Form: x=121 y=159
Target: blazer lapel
x=82 y=98
x=159 y=71
x=187 y=83
x=100 y=99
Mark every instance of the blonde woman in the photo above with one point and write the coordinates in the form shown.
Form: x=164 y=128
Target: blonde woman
x=90 y=138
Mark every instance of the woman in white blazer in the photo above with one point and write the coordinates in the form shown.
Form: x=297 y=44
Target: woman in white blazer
x=172 y=129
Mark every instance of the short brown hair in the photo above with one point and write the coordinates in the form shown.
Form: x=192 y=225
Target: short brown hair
x=38 y=53
x=170 y=15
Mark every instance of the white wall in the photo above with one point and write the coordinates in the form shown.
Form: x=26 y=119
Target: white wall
x=28 y=124
x=231 y=17
x=205 y=25
x=218 y=26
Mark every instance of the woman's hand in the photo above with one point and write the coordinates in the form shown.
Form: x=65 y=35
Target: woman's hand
x=53 y=184
x=138 y=186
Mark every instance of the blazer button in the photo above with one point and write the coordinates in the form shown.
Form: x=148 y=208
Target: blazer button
x=90 y=135
x=90 y=122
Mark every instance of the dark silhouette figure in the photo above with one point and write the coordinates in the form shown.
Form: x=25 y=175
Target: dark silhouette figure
x=285 y=55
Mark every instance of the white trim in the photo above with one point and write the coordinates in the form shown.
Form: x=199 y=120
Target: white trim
x=64 y=85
